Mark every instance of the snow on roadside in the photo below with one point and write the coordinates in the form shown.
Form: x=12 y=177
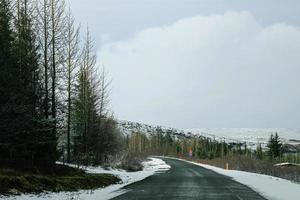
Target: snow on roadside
x=270 y=187
x=151 y=166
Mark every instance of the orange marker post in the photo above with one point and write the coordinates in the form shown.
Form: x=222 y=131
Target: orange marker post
x=227 y=166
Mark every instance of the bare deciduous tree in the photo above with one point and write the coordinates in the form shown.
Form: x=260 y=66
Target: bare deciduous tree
x=72 y=63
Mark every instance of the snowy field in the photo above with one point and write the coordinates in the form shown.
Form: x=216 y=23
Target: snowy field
x=270 y=187
x=252 y=136
x=151 y=166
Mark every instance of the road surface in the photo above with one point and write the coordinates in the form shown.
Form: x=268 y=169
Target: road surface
x=185 y=181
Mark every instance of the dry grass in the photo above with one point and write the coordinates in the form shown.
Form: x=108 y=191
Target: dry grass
x=249 y=164
x=132 y=162
x=66 y=179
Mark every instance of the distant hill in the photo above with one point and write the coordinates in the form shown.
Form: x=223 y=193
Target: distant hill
x=250 y=136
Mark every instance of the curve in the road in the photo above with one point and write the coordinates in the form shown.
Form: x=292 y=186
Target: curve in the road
x=185 y=181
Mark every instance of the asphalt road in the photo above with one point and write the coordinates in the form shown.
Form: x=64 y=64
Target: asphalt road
x=185 y=181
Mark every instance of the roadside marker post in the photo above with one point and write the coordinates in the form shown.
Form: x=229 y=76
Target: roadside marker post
x=191 y=153
x=227 y=166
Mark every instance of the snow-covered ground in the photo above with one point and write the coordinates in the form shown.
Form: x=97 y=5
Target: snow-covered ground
x=151 y=166
x=270 y=187
x=251 y=136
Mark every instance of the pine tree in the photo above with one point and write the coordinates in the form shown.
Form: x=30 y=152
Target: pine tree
x=275 y=146
x=6 y=56
x=6 y=38
x=7 y=69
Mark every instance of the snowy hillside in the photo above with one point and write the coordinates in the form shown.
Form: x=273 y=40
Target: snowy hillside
x=252 y=136
x=128 y=127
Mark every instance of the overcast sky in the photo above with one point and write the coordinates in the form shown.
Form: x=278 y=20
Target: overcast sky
x=200 y=63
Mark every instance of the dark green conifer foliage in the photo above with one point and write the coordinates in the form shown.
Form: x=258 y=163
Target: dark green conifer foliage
x=26 y=138
x=275 y=146
x=7 y=69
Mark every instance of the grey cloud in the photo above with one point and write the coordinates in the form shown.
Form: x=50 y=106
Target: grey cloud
x=227 y=70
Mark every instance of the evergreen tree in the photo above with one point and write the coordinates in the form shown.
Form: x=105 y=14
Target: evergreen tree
x=6 y=56
x=28 y=143
x=275 y=146
x=7 y=71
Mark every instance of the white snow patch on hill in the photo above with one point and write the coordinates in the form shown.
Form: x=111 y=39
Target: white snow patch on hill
x=151 y=166
x=254 y=135
x=270 y=187
x=250 y=136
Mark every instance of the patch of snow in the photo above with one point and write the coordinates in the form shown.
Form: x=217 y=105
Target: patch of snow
x=151 y=166
x=268 y=186
x=286 y=164
x=252 y=136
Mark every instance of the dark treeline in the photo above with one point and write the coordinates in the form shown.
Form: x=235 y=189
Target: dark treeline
x=54 y=99
x=172 y=142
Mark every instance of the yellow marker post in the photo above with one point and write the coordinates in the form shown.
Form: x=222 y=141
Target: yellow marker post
x=227 y=166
